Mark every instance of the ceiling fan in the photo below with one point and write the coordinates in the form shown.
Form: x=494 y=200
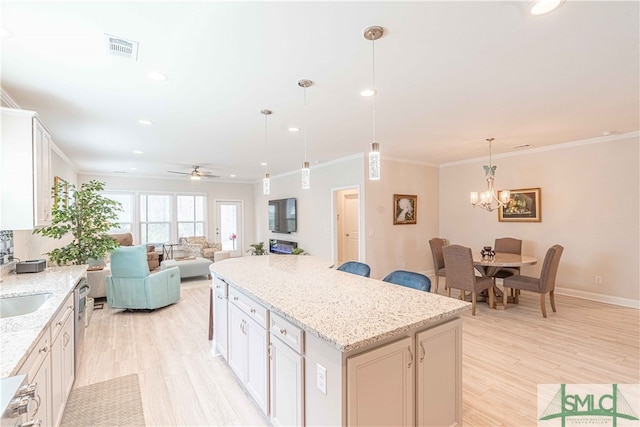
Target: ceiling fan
x=196 y=173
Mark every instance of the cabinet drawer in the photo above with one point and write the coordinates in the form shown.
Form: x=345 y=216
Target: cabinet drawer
x=220 y=286
x=38 y=354
x=66 y=309
x=289 y=333
x=252 y=308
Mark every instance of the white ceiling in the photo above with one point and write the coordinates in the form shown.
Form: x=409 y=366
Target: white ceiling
x=449 y=74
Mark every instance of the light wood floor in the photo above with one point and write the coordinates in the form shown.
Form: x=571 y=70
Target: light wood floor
x=506 y=354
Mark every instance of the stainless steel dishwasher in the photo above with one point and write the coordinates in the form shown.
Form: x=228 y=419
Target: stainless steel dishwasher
x=81 y=292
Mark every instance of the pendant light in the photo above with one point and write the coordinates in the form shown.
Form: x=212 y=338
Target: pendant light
x=305 y=172
x=266 y=181
x=373 y=34
x=488 y=199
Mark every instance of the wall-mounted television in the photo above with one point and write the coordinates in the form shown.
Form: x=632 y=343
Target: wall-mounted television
x=282 y=215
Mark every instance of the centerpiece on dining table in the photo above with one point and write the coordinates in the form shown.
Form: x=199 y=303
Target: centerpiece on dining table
x=488 y=253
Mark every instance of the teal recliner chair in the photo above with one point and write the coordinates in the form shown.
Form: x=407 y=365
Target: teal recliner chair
x=131 y=286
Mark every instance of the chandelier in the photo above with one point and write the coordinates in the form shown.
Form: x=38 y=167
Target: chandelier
x=489 y=200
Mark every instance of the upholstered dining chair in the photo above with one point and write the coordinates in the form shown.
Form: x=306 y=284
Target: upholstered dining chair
x=508 y=245
x=132 y=286
x=438 y=260
x=409 y=279
x=546 y=283
x=355 y=267
x=461 y=275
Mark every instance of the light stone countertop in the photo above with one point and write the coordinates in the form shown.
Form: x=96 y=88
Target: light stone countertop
x=19 y=334
x=345 y=310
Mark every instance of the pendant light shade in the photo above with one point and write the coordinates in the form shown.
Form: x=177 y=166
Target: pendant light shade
x=373 y=34
x=266 y=181
x=305 y=172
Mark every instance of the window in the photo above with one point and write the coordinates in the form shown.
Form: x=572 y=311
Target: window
x=155 y=218
x=191 y=215
x=126 y=216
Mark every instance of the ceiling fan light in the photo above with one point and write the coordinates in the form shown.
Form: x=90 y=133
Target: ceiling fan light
x=195 y=177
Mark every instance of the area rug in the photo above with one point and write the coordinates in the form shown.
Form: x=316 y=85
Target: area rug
x=115 y=402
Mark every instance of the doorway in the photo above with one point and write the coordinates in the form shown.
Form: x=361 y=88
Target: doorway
x=229 y=226
x=347 y=215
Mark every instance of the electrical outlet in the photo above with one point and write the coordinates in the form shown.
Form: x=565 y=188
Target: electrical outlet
x=321 y=378
x=598 y=279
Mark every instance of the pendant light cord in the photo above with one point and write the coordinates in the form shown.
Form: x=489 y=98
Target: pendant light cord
x=304 y=120
x=266 y=148
x=373 y=78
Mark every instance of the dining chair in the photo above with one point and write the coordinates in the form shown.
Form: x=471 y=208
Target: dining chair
x=546 y=283
x=461 y=275
x=438 y=260
x=409 y=279
x=508 y=245
x=355 y=267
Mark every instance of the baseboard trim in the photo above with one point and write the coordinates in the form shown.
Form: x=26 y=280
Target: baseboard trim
x=608 y=299
x=591 y=296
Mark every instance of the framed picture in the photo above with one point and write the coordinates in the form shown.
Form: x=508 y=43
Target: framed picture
x=524 y=206
x=405 y=209
x=61 y=192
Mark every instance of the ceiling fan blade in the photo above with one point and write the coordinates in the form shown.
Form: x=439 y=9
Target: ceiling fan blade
x=181 y=173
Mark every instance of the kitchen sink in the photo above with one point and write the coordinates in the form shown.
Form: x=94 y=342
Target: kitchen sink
x=22 y=304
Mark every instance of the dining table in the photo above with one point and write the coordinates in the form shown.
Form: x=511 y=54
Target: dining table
x=489 y=266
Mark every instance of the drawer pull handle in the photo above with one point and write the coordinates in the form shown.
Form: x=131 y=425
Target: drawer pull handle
x=59 y=323
x=235 y=298
x=424 y=352
x=283 y=331
x=411 y=355
x=253 y=311
x=44 y=349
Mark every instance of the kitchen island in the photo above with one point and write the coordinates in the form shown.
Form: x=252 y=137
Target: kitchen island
x=339 y=349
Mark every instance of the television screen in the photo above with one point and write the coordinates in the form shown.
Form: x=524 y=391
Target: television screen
x=282 y=215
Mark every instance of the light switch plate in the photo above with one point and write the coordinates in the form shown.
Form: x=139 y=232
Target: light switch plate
x=321 y=378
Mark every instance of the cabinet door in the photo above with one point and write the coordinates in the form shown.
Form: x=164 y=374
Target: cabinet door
x=257 y=364
x=220 y=323
x=43 y=378
x=439 y=375
x=41 y=172
x=68 y=359
x=380 y=386
x=237 y=348
x=287 y=384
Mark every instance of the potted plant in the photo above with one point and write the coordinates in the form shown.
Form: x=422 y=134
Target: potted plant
x=298 y=251
x=257 y=249
x=88 y=216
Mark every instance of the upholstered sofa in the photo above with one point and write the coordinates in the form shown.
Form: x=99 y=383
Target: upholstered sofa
x=153 y=258
x=198 y=246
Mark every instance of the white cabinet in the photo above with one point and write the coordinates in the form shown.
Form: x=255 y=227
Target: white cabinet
x=286 y=373
x=380 y=386
x=247 y=345
x=439 y=375
x=26 y=171
x=37 y=367
x=62 y=359
x=220 y=313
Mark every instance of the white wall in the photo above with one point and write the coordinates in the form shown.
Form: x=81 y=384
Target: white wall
x=401 y=247
x=590 y=205
x=314 y=206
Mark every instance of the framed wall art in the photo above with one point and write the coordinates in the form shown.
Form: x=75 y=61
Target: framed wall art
x=524 y=205
x=405 y=209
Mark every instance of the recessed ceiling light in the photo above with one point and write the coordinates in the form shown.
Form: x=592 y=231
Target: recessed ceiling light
x=137 y=152
x=368 y=92
x=145 y=122
x=233 y=175
x=293 y=129
x=134 y=169
x=263 y=164
x=541 y=7
x=154 y=75
x=5 y=33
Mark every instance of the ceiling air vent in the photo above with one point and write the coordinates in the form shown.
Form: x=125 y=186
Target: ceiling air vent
x=117 y=46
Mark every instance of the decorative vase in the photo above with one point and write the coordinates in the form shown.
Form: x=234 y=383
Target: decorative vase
x=487 y=252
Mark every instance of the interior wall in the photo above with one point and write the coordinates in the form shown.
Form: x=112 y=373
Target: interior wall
x=590 y=205
x=313 y=206
x=214 y=190
x=392 y=247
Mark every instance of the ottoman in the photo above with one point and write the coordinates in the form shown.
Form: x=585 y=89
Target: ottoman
x=189 y=267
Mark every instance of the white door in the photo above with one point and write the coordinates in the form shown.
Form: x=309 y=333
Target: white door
x=229 y=230
x=348 y=226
